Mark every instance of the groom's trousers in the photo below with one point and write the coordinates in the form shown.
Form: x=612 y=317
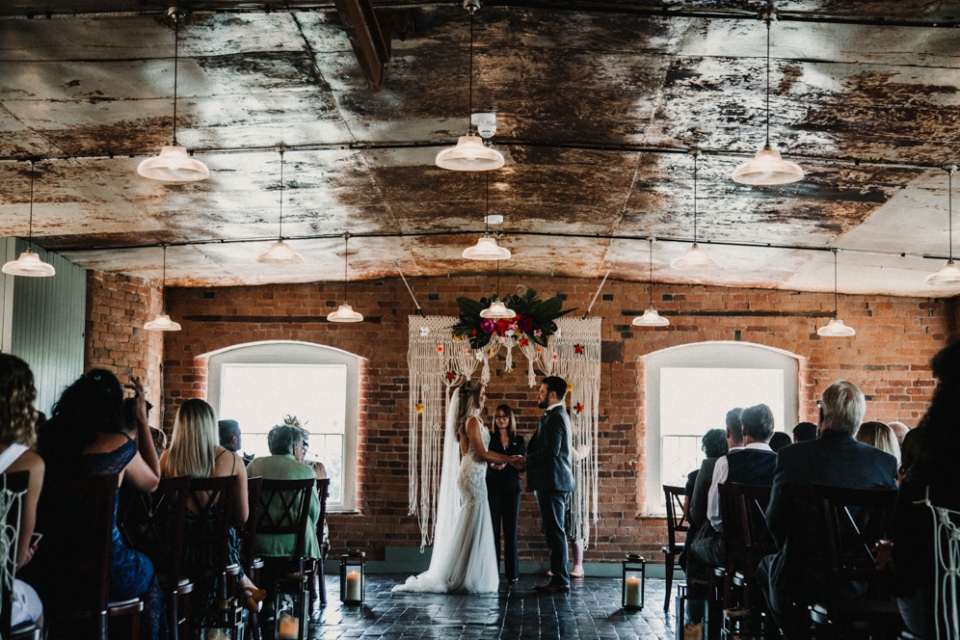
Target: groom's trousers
x=553 y=509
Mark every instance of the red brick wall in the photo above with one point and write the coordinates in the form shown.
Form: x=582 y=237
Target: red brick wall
x=117 y=308
x=888 y=359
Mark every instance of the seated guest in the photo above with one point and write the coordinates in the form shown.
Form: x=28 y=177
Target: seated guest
x=881 y=436
x=85 y=438
x=913 y=448
x=714 y=445
x=17 y=435
x=793 y=574
x=287 y=445
x=779 y=440
x=804 y=432
x=194 y=452
x=230 y=438
x=900 y=430
x=932 y=474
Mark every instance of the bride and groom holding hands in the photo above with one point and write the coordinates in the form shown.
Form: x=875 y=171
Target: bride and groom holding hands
x=464 y=556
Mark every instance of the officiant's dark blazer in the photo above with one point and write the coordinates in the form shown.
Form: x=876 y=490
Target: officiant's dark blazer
x=548 y=453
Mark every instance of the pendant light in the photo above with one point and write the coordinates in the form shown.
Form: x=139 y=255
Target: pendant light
x=280 y=252
x=767 y=167
x=950 y=273
x=470 y=154
x=650 y=317
x=487 y=247
x=29 y=263
x=835 y=328
x=174 y=164
x=497 y=309
x=695 y=259
x=345 y=313
x=163 y=322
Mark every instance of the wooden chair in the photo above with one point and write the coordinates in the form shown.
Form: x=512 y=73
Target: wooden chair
x=749 y=539
x=161 y=538
x=320 y=586
x=16 y=484
x=676 y=523
x=206 y=540
x=247 y=532
x=854 y=519
x=87 y=561
x=283 y=510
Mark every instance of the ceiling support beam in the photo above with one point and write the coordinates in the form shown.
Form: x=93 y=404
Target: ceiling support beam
x=370 y=39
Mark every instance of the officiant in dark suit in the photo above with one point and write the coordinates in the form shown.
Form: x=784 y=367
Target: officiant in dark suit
x=550 y=475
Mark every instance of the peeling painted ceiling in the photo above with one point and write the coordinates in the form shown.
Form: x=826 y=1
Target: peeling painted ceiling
x=599 y=105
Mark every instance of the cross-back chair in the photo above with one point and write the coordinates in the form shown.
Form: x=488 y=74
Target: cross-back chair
x=206 y=558
x=87 y=560
x=676 y=523
x=855 y=601
x=746 y=539
x=161 y=538
x=284 y=507
x=320 y=588
x=13 y=487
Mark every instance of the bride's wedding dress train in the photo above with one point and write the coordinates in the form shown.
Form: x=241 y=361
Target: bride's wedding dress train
x=464 y=557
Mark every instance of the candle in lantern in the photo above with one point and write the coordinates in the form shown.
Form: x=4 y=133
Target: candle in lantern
x=353 y=586
x=633 y=591
x=288 y=627
x=216 y=634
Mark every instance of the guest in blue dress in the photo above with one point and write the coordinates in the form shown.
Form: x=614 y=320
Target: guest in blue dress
x=83 y=439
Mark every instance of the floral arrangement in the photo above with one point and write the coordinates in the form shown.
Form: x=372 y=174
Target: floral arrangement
x=534 y=321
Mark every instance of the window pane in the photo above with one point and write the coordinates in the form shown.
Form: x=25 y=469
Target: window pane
x=259 y=396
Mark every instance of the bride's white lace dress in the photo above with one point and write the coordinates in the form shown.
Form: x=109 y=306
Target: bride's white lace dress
x=466 y=562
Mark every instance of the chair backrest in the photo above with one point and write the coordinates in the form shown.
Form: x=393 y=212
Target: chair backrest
x=676 y=518
x=161 y=531
x=284 y=507
x=215 y=499
x=248 y=532
x=323 y=493
x=854 y=519
x=745 y=534
x=12 y=487
x=86 y=555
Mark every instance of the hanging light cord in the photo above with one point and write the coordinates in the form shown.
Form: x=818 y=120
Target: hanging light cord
x=281 y=195
x=836 y=293
x=176 y=59
x=650 y=282
x=695 y=154
x=769 y=18
x=949 y=206
x=163 y=282
x=486 y=214
x=30 y=225
x=346 y=246
x=470 y=106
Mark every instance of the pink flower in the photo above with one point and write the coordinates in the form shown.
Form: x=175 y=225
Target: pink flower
x=556 y=357
x=537 y=333
x=488 y=325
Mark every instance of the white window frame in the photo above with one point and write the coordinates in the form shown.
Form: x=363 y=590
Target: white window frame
x=292 y=352
x=712 y=355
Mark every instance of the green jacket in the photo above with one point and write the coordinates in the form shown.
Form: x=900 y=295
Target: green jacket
x=284 y=467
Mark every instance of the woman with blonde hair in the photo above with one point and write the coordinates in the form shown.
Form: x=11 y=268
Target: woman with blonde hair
x=879 y=435
x=195 y=451
x=463 y=558
x=17 y=417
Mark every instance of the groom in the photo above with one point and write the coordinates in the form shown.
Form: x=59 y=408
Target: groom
x=550 y=475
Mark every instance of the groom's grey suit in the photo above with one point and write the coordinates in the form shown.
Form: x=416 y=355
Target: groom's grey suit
x=550 y=474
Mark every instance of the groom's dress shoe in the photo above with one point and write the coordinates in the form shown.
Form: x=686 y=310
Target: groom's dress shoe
x=552 y=588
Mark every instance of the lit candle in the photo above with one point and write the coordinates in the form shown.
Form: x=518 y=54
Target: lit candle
x=216 y=634
x=353 y=586
x=288 y=627
x=633 y=591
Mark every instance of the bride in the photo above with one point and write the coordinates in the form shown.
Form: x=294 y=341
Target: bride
x=464 y=558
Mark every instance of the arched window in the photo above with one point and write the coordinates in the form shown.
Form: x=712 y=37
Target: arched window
x=689 y=390
x=258 y=384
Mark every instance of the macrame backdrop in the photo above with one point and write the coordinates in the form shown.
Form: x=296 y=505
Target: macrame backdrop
x=438 y=361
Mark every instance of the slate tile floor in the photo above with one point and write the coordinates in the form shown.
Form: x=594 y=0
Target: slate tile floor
x=591 y=611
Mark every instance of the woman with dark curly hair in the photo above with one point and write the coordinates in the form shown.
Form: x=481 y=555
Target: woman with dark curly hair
x=17 y=418
x=933 y=476
x=85 y=438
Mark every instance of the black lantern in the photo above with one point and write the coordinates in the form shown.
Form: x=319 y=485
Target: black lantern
x=634 y=577
x=351 y=577
x=291 y=608
x=226 y=627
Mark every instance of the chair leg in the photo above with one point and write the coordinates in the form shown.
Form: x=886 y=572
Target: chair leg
x=174 y=618
x=668 y=570
x=322 y=581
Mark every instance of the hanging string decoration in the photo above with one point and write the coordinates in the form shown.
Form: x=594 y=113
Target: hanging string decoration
x=441 y=356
